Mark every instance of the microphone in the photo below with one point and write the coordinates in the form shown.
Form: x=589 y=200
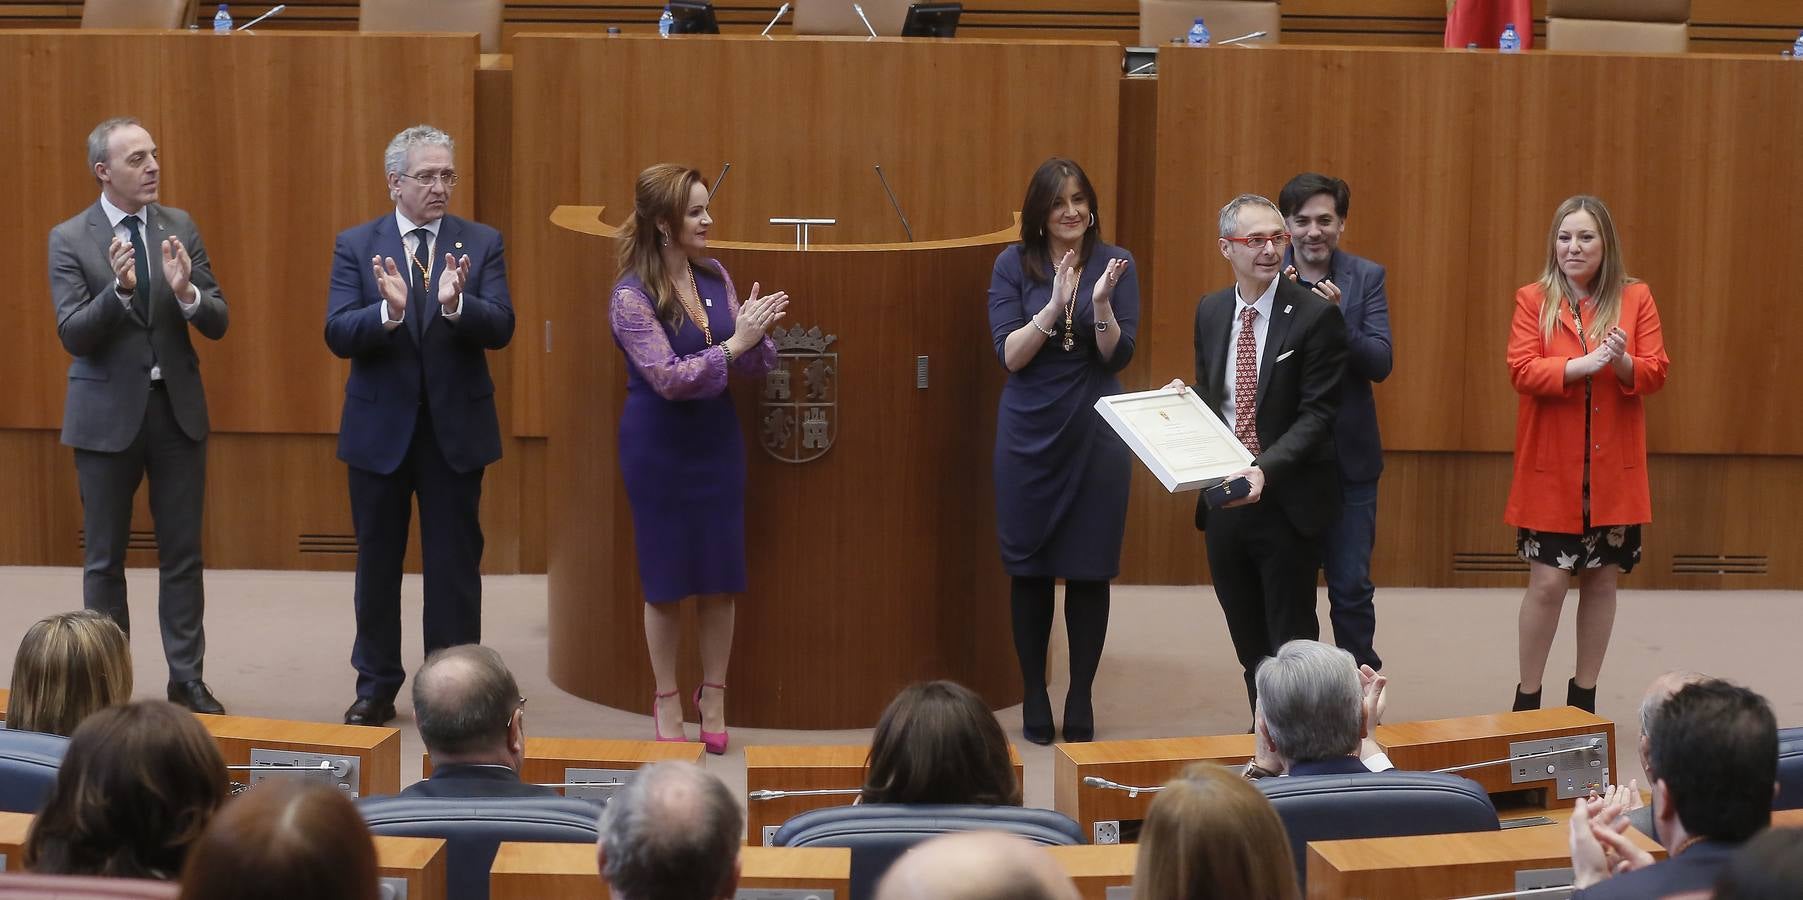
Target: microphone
x=587 y=784
x=1592 y=744
x=1132 y=790
x=1253 y=36
x=277 y=9
x=1532 y=892
x=860 y=11
x=723 y=170
x=778 y=795
x=896 y=206
x=324 y=767
x=774 y=19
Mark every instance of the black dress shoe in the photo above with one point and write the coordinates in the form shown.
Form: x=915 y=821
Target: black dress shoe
x=1079 y=719
x=1036 y=717
x=195 y=696
x=369 y=711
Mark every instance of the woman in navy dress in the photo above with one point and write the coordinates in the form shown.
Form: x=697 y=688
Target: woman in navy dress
x=1063 y=308
x=676 y=316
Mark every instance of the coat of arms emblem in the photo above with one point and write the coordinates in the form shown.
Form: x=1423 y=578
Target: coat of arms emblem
x=801 y=396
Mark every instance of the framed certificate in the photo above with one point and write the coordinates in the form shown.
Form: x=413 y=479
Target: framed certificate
x=1179 y=438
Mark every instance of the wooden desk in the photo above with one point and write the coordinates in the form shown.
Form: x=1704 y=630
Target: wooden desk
x=377 y=749
x=1096 y=867
x=1143 y=763
x=802 y=767
x=1439 y=865
x=547 y=758
x=13 y=829
x=1443 y=743
x=524 y=871
x=420 y=861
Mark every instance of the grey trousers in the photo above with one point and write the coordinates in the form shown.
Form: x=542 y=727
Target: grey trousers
x=177 y=468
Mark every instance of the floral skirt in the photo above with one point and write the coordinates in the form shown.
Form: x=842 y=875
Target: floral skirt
x=1609 y=545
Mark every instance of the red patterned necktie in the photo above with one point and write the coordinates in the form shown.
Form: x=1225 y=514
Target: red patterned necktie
x=1245 y=382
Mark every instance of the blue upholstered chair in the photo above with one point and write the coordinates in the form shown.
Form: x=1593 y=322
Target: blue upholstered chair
x=474 y=828
x=1379 y=804
x=879 y=833
x=28 y=764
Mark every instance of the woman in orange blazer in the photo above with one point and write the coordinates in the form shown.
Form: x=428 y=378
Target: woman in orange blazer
x=1584 y=349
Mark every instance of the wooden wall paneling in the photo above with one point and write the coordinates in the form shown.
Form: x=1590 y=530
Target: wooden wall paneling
x=41 y=520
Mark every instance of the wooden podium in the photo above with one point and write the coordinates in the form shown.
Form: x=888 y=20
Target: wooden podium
x=523 y=871
x=376 y=750
x=870 y=530
x=13 y=829
x=1442 y=865
x=1442 y=743
x=1111 y=816
x=418 y=861
x=804 y=767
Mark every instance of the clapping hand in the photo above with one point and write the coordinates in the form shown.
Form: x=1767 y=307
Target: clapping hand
x=1325 y=288
x=392 y=285
x=759 y=313
x=1375 y=687
x=1063 y=273
x=1103 y=296
x=125 y=267
x=1599 y=846
x=177 y=267
x=451 y=281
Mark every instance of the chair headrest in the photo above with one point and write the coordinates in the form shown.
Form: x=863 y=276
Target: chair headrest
x=1043 y=826
x=497 y=814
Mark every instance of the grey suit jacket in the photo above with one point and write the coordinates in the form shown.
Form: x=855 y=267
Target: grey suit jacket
x=109 y=380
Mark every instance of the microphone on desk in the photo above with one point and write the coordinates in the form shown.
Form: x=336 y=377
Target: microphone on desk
x=1253 y=36
x=774 y=19
x=1592 y=744
x=1132 y=790
x=860 y=12
x=722 y=176
x=896 y=206
x=277 y=9
x=824 y=792
x=324 y=767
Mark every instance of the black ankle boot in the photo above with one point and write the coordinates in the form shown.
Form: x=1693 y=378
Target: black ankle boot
x=1036 y=717
x=1582 y=698
x=1526 y=701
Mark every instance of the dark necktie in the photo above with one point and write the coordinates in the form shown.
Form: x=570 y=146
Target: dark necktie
x=140 y=298
x=420 y=304
x=1245 y=382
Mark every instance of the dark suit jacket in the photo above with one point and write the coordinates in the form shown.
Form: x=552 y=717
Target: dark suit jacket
x=1693 y=870
x=383 y=395
x=109 y=380
x=476 y=781
x=1338 y=765
x=1298 y=394
x=1366 y=308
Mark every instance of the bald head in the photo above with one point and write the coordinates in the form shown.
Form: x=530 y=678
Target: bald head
x=464 y=700
x=1661 y=690
x=976 y=865
x=671 y=832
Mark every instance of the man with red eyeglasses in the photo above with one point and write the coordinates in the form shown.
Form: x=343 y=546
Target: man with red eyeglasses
x=1269 y=358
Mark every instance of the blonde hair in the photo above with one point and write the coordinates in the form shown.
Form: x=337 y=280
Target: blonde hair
x=660 y=196
x=1210 y=833
x=1557 y=293
x=68 y=666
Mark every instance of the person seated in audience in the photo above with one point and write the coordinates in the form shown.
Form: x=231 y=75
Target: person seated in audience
x=1210 y=834
x=976 y=865
x=671 y=833
x=1663 y=687
x=68 y=666
x=939 y=743
x=472 y=720
x=1315 y=712
x=136 y=789
x=1769 y=867
x=1713 y=762
x=284 y=839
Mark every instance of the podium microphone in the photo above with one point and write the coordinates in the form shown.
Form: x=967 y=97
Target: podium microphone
x=774 y=19
x=1132 y=790
x=860 y=12
x=1592 y=744
x=825 y=792
x=722 y=176
x=896 y=206
x=1253 y=36
x=260 y=18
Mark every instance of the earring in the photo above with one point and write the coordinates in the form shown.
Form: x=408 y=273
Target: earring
x=662 y=239
x=1092 y=220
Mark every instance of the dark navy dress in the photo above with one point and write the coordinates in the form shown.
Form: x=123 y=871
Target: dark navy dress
x=1061 y=473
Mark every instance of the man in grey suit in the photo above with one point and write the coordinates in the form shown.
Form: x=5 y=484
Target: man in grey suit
x=129 y=279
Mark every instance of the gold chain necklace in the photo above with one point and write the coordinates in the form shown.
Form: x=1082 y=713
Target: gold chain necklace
x=707 y=333
x=425 y=274
x=1070 y=312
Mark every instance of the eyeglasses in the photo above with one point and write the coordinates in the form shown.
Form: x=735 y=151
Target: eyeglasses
x=430 y=178
x=1257 y=242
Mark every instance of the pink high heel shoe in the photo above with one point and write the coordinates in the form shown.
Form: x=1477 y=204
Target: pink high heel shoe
x=657 y=699
x=715 y=741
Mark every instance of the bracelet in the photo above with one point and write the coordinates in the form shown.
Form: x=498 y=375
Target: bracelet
x=728 y=351
x=1042 y=329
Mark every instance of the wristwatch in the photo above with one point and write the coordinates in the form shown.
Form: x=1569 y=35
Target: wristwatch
x=1102 y=325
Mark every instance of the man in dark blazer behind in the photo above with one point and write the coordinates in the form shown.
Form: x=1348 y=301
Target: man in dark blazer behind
x=419 y=407
x=472 y=720
x=1269 y=357
x=1314 y=208
x=130 y=278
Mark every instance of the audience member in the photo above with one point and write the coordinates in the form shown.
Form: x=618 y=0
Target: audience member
x=1769 y=867
x=68 y=666
x=671 y=833
x=285 y=839
x=1210 y=834
x=1713 y=763
x=472 y=720
x=1315 y=712
x=136 y=790
x=976 y=865
x=1663 y=687
x=939 y=743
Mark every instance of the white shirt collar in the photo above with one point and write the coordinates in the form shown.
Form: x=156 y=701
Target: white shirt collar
x=115 y=215
x=1265 y=300
x=407 y=227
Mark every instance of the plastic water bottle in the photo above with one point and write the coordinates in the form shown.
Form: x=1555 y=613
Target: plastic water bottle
x=1510 y=42
x=222 y=21
x=665 y=22
x=1796 y=49
x=1198 y=35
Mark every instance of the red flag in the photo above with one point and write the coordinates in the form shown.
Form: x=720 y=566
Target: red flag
x=1481 y=22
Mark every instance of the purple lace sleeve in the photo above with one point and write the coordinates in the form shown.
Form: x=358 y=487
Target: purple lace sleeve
x=760 y=359
x=673 y=377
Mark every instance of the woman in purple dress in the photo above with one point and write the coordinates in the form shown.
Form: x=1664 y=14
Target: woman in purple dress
x=677 y=318
x=1063 y=310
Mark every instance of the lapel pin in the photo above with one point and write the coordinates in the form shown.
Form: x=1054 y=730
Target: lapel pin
x=460 y=245
x=1286 y=309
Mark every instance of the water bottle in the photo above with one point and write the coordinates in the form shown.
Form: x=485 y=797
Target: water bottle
x=1510 y=42
x=665 y=22
x=1796 y=49
x=222 y=21
x=1198 y=35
